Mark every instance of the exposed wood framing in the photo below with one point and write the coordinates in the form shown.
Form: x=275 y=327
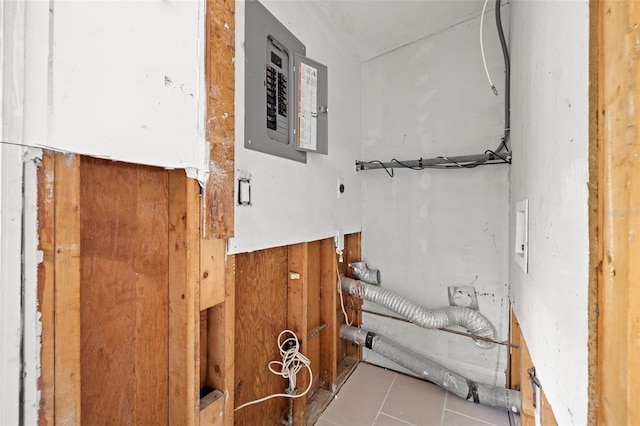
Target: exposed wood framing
x=353 y=254
x=515 y=337
x=124 y=292
x=211 y=409
x=288 y=287
x=220 y=339
x=184 y=327
x=67 y=289
x=520 y=364
x=618 y=362
x=212 y=272
x=261 y=314
x=46 y=282
x=328 y=315
x=297 y=315
x=218 y=200
x=312 y=349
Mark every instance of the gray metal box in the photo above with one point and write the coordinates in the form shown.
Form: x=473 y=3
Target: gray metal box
x=272 y=121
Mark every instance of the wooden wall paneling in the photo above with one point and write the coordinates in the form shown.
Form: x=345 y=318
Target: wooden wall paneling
x=527 y=413
x=261 y=314
x=313 y=312
x=618 y=347
x=524 y=363
x=328 y=315
x=221 y=344
x=124 y=293
x=184 y=318
x=212 y=272
x=353 y=254
x=46 y=294
x=297 y=316
x=218 y=200
x=67 y=289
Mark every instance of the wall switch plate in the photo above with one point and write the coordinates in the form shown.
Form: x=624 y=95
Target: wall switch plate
x=464 y=296
x=244 y=192
x=521 y=249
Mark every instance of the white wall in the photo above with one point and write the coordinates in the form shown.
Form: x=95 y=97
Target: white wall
x=427 y=230
x=11 y=112
x=291 y=201
x=118 y=79
x=549 y=51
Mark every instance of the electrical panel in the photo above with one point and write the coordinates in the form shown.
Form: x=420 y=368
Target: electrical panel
x=285 y=92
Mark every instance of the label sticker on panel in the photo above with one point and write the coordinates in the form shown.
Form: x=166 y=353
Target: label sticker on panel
x=307 y=107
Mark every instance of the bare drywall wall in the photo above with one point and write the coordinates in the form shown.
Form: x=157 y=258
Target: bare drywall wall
x=12 y=17
x=291 y=201
x=549 y=127
x=121 y=80
x=427 y=230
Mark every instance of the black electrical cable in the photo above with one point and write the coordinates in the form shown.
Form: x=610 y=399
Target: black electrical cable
x=507 y=82
x=406 y=166
x=389 y=171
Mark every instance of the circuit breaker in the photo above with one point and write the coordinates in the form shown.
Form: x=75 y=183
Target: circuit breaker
x=285 y=92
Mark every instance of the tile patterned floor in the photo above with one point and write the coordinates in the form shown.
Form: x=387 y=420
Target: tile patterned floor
x=375 y=396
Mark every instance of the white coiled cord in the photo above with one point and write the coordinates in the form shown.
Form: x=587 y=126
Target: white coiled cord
x=292 y=362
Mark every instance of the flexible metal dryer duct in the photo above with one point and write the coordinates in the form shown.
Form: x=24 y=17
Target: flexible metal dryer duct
x=426 y=369
x=363 y=273
x=472 y=320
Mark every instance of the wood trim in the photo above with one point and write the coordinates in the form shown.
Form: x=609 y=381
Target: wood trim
x=618 y=353
x=184 y=318
x=218 y=200
x=67 y=289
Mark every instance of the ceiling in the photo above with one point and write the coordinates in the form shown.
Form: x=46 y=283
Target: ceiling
x=374 y=27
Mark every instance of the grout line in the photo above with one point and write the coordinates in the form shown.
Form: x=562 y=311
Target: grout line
x=444 y=407
x=469 y=417
x=385 y=397
x=396 y=418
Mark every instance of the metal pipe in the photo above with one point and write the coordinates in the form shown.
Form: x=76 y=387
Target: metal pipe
x=459 y=161
x=507 y=79
x=427 y=369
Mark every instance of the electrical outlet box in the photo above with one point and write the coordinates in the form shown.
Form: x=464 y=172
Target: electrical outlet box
x=340 y=188
x=464 y=296
x=285 y=92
